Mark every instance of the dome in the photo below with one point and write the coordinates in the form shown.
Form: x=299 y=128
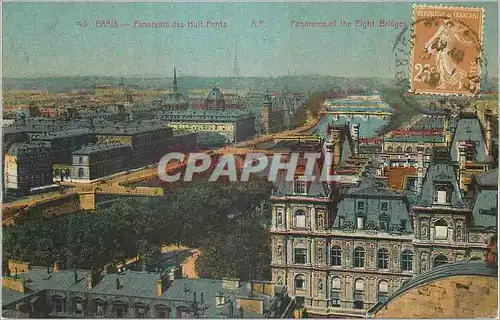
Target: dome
x=215 y=99
x=215 y=95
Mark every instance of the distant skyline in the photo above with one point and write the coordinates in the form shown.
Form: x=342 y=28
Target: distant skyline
x=44 y=39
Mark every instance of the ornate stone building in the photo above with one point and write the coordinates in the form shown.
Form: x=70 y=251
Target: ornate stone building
x=346 y=248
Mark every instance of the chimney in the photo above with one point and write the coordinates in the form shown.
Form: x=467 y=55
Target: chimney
x=118 y=284
x=194 y=297
x=76 y=274
x=159 y=287
x=420 y=170
x=446 y=129
x=201 y=298
x=89 y=281
x=487 y=129
x=356 y=138
x=462 y=150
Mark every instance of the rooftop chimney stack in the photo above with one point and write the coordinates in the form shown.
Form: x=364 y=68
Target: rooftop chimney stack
x=462 y=151
x=356 y=138
x=487 y=129
x=57 y=266
x=420 y=170
x=118 y=284
x=159 y=287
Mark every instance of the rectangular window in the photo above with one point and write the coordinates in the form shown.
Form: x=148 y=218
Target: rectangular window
x=140 y=313
x=360 y=222
x=382 y=296
x=300 y=256
x=300 y=220
x=161 y=313
x=98 y=310
x=336 y=257
x=361 y=206
x=335 y=298
x=78 y=308
x=120 y=312
x=441 y=196
x=299 y=187
x=58 y=305
x=383 y=206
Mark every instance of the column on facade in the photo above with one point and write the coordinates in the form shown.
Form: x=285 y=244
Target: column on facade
x=289 y=251
x=314 y=225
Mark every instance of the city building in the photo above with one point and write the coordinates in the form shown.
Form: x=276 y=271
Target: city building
x=100 y=160
x=63 y=143
x=149 y=140
x=175 y=99
x=32 y=291
x=27 y=166
x=346 y=252
x=214 y=124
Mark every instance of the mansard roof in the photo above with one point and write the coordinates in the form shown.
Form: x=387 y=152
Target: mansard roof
x=369 y=187
x=469 y=129
x=440 y=171
x=488 y=178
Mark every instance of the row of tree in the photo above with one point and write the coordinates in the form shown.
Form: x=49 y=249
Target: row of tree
x=219 y=219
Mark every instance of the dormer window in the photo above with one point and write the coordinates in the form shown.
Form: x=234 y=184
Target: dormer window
x=361 y=206
x=443 y=194
x=383 y=206
x=300 y=186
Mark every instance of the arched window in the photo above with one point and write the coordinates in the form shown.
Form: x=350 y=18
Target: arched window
x=427 y=150
x=389 y=149
x=335 y=293
x=279 y=218
x=58 y=302
x=399 y=149
x=336 y=256
x=407 y=260
x=439 y=260
x=98 y=308
x=80 y=160
x=409 y=149
x=80 y=173
x=300 y=282
x=57 y=174
x=359 y=258
x=120 y=309
x=383 y=259
x=383 y=290
x=300 y=218
x=359 y=294
x=140 y=311
x=78 y=306
x=441 y=230
x=384 y=220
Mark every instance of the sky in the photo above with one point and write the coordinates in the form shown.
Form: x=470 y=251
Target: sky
x=46 y=39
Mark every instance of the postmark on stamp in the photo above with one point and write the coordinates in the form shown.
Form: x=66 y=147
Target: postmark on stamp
x=446 y=50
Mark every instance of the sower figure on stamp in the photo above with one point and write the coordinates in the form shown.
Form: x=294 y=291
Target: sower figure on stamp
x=439 y=45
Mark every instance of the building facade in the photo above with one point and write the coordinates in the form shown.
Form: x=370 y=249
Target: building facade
x=345 y=253
x=100 y=160
x=27 y=166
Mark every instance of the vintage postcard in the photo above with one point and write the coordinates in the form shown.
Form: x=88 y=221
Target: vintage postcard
x=447 y=49
x=249 y=160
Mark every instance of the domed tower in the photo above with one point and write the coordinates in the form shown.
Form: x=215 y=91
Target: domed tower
x=215 y=99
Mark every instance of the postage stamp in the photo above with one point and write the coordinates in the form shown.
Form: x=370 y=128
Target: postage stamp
x=446 y=50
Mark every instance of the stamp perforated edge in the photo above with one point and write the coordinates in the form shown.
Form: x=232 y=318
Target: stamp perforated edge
x=443 y=93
